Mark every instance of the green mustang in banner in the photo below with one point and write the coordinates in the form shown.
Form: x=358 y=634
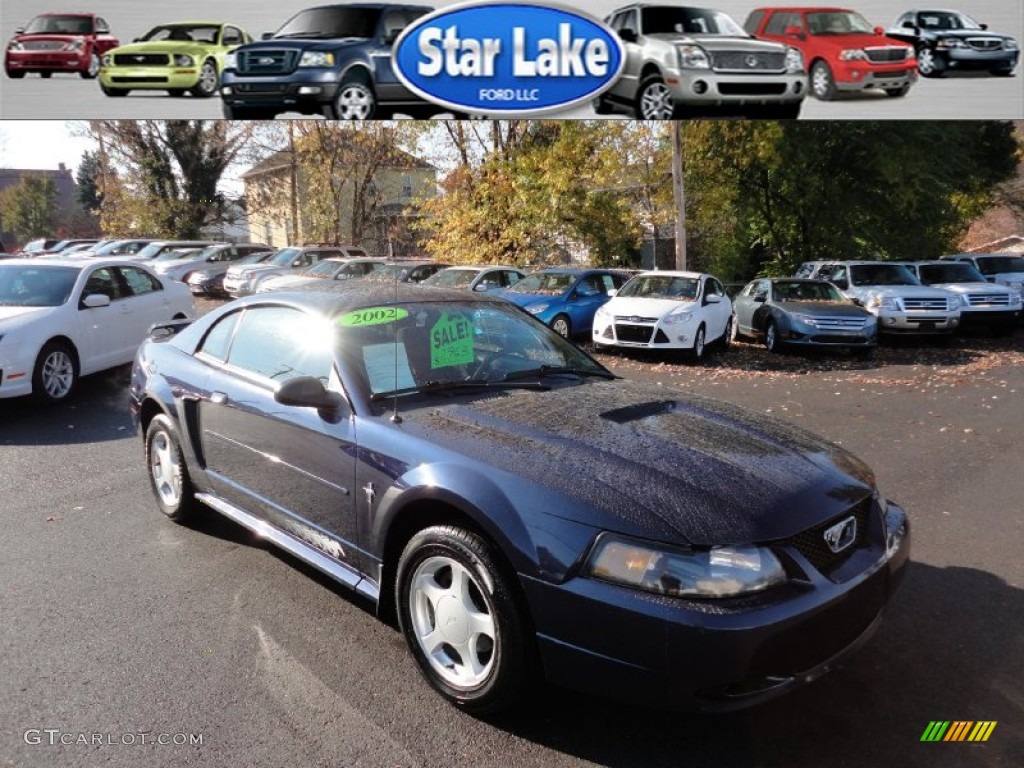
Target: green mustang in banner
x=179 y=57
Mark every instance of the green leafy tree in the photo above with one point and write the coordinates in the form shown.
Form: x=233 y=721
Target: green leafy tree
x=88 y=179
x=29 y=208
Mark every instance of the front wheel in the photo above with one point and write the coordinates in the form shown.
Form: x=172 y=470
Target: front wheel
x=823 y=84
x=772 y=342
x=108 y=91
x=209 y=80
x=730 y=332
x=896 y=93
x=562 y=326
x=168 y=474
x=55 y=375
x=699 y=345
x=93 y=69
x=355 y=100
x=602 y=106
x=929 y=64
x=462 y=621
x=655 y=102
x=1001 y=72
x=15 y=74
x=46 y=75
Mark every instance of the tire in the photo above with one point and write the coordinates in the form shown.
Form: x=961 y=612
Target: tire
x=15 y=75
x=654 y=100
x=898 y=93
x=168 y=474
x=823 y=84
x=700 y=346
x=46 y=75
x=1001 y=72
x=247 y=113
x=772 y=342
x=482 y=659
x=93 y=68
x=55 y=375
x=107 y=91
x=209 y=80
x=561 y=325
x=602 y=106
x=730 y=332
x=176 y=92
x=355 y=100
x=929 y=64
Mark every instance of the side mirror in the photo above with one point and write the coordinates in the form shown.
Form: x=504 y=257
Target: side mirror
x=858 y=302
x=136 y=39
x=794 y=32
x=983 y=26
x=19 y=30
x=572 y=296
x=307 y=392
x=267 y=36
x=482 y=287
x=612 y=293
x=879 y=30
x=909 y=25
x=628 y=35
x=390 y=36
x=96 y=300
x=760 y=299
x=712 y=298
x=843 y=285
x=102 y=29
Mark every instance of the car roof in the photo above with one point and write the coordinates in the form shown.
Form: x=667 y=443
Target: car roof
x=805 y=9
x=68 y=262
x=672 y=273
x=331 y=297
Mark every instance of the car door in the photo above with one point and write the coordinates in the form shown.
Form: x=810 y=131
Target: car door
x=146 y=299
x=293 y=467
x=718 y=308
x=627 y=25
x=386 y=82
x=104 y=334
x=583 y=300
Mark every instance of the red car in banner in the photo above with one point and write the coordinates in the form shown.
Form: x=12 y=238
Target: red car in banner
x=59 y=42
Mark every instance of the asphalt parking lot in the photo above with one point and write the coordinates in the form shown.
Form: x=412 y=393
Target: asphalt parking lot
x=119 y=623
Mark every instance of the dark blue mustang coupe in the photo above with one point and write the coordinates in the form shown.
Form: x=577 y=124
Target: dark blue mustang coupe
x=523 y=511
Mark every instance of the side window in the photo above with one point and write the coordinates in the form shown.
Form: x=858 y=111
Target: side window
x=138 y=281
x=102 y=281
x=761 y=289
x=713 y=288
x=615 y=22
x=629 y=22
x=778 y=23
x=589 y=286
x=304 y=259
x=509 y=278
x=279 y=344
x=753 y=22
x=608 y=282
x=330 y=255
x=218 y=338
x=231 y=36
x=838 y=272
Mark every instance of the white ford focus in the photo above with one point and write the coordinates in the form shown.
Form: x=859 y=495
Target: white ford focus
x=63 y=318
x=666 y=310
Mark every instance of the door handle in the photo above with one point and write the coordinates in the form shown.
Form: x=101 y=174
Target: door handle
x=218 y=398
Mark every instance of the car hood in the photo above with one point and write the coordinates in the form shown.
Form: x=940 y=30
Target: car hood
x=526 y=299
x=722 y=42
x=630 y=306
x=639 y=459
x=15 y=317
x=980 y=34
x=165 y=46
x=969 y=287
x=49 y=37
x=842 y=42
x=306 y=43
x=824 y=308
x=909 y=291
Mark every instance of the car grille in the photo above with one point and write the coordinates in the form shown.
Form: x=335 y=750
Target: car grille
x=751 y=89
x=138 y=79
x=811 y=544
x=887 y=54
x=43 y=45
x=142 y=59
x=261 y=87
x=925 y=305
x=824 y=338
x=738 y=61
x=839 y=323
x=637 y=334
x=985 y=43
x=988 y=299
x=265 y=61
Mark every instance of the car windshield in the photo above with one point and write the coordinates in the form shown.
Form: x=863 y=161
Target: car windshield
x=452 y=278
x=183 y=33
x=284 y=257
x=331 y=22
x=945 y=20
x=59 y=25
x=178 y=252
x=882 y=274
x=429 y=347
x=799 y=290
x=255 y=258
x=838 y=23
x=662 y=287
x=670 y=20
x=548 y=283
x=955 y=272
x=996 y=265
x=386 y=272
x=35 y=245
x=23 y=286
x=111 y=247
x=324 y=268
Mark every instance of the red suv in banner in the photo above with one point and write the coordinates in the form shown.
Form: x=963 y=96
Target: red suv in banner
x=59 y=42
x=842 y=51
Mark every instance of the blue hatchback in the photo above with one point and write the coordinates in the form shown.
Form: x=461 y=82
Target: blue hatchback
x=565 y=298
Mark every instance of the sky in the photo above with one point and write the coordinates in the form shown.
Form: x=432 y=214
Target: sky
x=41 y=144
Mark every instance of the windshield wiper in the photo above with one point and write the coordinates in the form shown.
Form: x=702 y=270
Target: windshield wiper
x=433 y=387
x=558 y=370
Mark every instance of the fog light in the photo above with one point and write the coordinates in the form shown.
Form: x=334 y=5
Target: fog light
x=798 y=87
x=954 y=321
x=227 y=90
x=700 y=87
x=607 y=332
x=855 y=75
x=309 y=90
x=890 y=321
x=682 y=339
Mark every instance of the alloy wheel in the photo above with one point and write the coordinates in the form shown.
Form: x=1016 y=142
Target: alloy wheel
x=355 y=102
x=58 y=374
x=165 y=467
x=656 y=102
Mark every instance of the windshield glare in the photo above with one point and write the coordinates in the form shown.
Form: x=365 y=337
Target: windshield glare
x=669 y=20
x=838 y=23
x=882 y=274
x=449 y=342
x=946 y=20
x=452 y=278
x=284 y=257
x=59 y=25
x=960 y=272
x=183 y=33
x=36 y=286
x=662 y=287
x=323 y=268
x=331 y=22
x=806 y=291
x=548 y=283
x=996 y=265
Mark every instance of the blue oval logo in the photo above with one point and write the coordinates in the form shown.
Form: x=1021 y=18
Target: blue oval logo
x=507 y=58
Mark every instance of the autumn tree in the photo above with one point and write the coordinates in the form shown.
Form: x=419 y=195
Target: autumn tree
x=29 y=208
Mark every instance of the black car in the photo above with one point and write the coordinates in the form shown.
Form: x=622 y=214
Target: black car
x=948 y=41
x=521 y=509
x=333 y=60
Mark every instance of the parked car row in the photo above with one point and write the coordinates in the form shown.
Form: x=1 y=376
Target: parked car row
x=336 y=60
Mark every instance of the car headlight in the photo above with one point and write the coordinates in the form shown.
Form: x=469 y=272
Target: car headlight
x=693 y=57
x=718 y=572
x=963 y=301
x=1016 y=298
x=14 y=45
x=853 y=54
x=794 y=61
x=805 y=319
x=677 y=316
x=317 y=59
x=950 y=42
x=896 y=528
x=183 y=60
x=1010 y=44
x=602 y=313
x=890 y=303
x=75 y=45
x=231 y=60
x=536 y=309
x=107 y=60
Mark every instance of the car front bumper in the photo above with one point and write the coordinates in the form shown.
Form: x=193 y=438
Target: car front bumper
x=305 y=90
x=859 y=75
x=970 y=59
x=236 y=287
x=16 y=366
x=47 y=61
x=155 y=78
x=710 y=88
x=977 y=318
x=626 y=333
x=711 y=655
x=924 y=323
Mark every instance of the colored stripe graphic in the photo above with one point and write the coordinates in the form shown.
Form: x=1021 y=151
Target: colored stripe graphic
x=958 y=730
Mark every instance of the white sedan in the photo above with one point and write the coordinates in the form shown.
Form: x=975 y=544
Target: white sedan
x=64 y=318
x=666 y=310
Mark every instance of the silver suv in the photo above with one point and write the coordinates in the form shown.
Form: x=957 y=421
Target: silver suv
x=682 y=60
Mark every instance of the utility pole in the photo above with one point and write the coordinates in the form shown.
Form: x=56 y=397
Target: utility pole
x=678 y=195
x=294 y=234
